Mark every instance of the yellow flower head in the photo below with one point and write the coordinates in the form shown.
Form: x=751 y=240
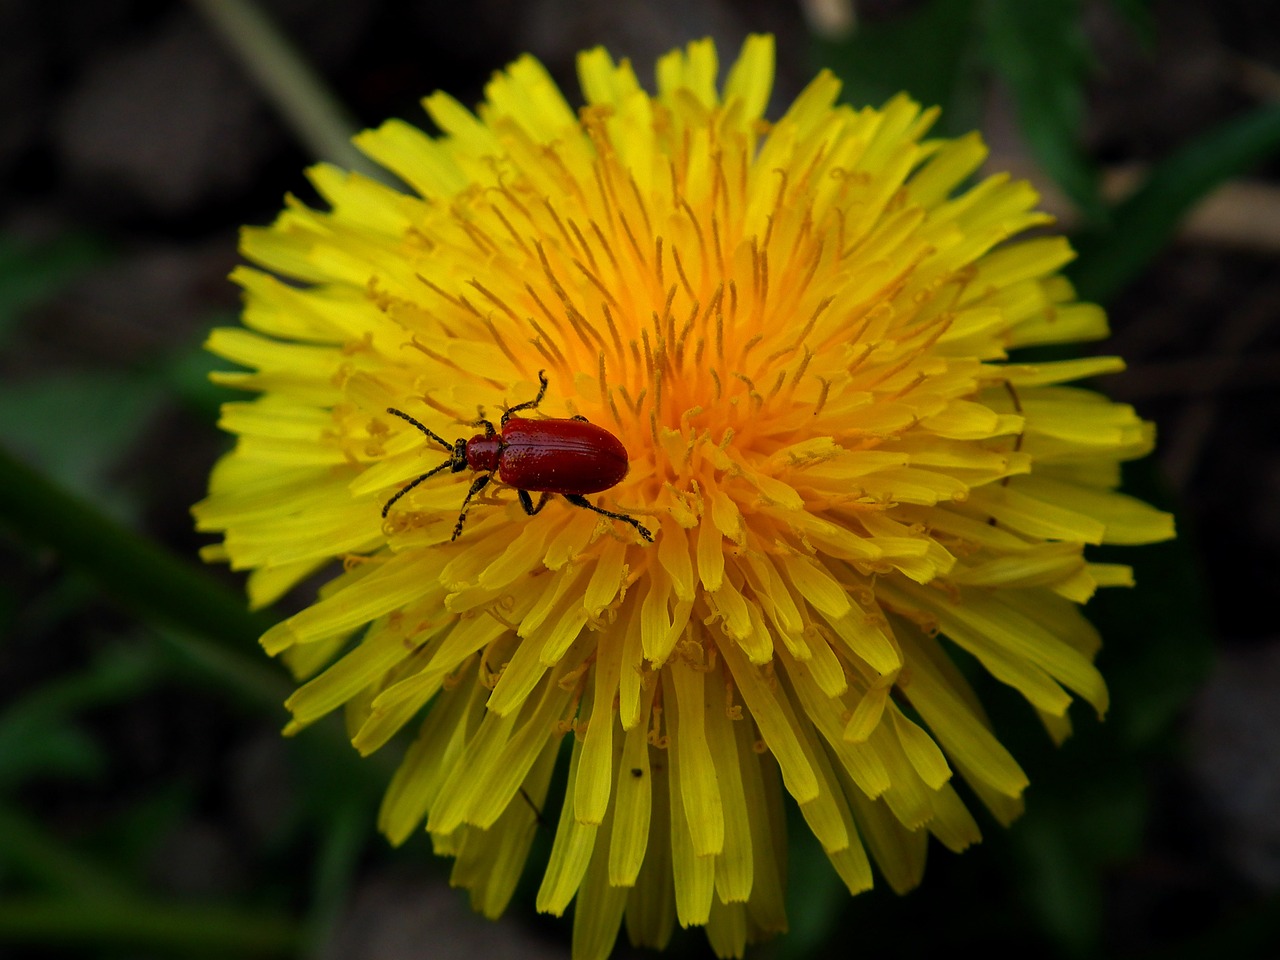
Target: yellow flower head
x=798 y=332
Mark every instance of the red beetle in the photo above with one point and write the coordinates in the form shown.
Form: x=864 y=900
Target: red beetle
x=569 y=457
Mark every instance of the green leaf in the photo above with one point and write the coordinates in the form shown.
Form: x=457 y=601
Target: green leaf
x=49 y=750
x=1072 y=831
x=29 y=275
x=79 y=427
x=135 y=837
x=185 y=375
x=816 y=897
x=931 y=54
x=38 y=858
x=1143 y=224
x=146 y=927
x=1088 y=804
x=343 y=837
x=38 y=736
x=162 y=588
x=243 y=677
x=1040 y=51
x=1143 y=22
x=1158 y=637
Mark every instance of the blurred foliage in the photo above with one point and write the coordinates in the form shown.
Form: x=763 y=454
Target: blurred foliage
x=935 y=53
x=39 y=733
x=186 y=377
x=79 y=427
x=30 y=275
x=946 y=51
x=68 y=495
x=1144 y=223
x=1039 y=50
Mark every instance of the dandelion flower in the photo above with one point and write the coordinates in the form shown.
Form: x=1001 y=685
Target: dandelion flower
x=799 y=330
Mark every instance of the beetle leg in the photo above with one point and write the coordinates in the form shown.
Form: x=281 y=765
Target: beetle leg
x=413 y=483
x=437 y=438
x=489 y=431
x=578 y=500
x=526 y=501
x=476 y=486
x=529 y=404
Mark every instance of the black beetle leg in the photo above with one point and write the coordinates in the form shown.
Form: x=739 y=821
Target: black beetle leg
x=489 y=430
x=580 y=501
x=526 y=501
x=529 y=404
x=477 y=485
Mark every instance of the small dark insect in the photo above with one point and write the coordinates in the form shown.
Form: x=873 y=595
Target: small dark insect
x=569 y=457
x=637 y=772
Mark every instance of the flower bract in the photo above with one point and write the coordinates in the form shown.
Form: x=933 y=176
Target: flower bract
x=799 y=330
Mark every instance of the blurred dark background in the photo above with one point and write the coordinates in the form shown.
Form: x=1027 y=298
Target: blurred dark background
x=148 y=806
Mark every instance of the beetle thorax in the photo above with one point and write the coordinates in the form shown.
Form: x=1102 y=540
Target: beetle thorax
x=483 y=452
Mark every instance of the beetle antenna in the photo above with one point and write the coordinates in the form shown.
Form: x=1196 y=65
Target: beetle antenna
x=413 y=483
x=434 y=436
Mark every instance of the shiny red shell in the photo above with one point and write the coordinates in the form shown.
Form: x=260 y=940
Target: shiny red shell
x=551 y=456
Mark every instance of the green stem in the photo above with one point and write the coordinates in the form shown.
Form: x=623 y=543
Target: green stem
x=135 y=571
x=186 y=930
x=288 y=82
